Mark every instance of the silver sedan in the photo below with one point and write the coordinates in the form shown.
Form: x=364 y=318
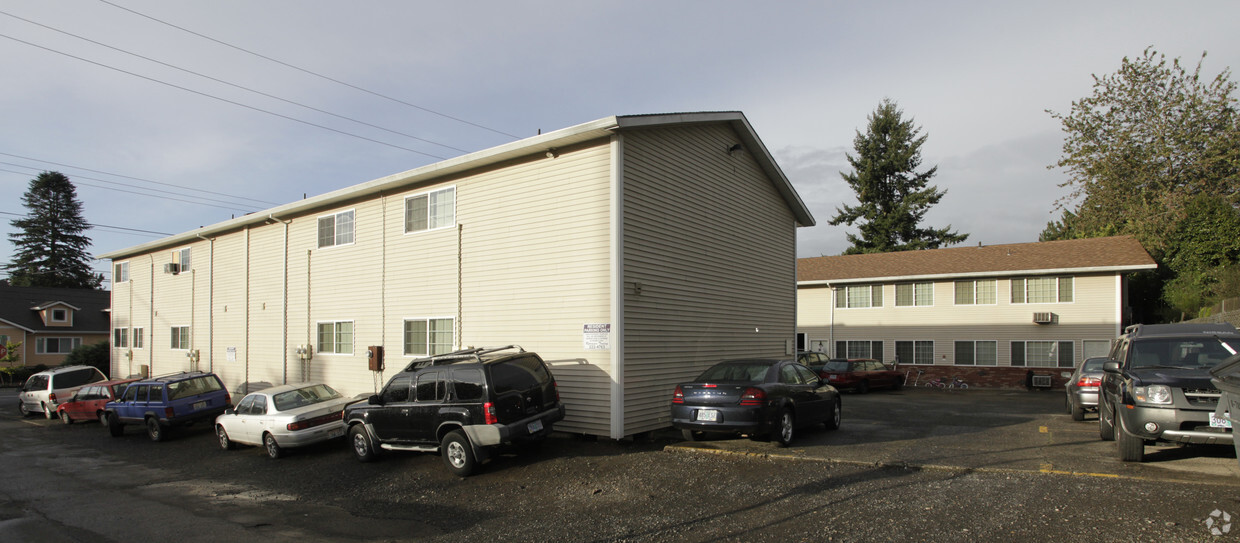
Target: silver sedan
x=283 y=417
x=1082 y=387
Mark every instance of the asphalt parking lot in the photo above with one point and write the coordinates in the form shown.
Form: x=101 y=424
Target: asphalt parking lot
x=996 y=430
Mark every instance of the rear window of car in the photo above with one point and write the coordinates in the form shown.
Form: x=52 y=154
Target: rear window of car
x=36 y=382
x=519 y=374
x=303 y=397
x=837 y=365
x=75 y=378
x=193 y=387
x=741 y=373
x=467 y=384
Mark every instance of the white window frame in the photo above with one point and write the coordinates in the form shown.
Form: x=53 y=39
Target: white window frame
x=183 y=258
x=336 y=235
x=431 y=223
x=120 y=338
x=843 y=301
x=121 y=269
x=973 y=350
x=973 y=290
x=1023 y=289
x=179 y=338
x=451 y=345
x=923 y=294
x=856 y=345
x=336 y=343
x=138 y=337
x=1059 y=362
x=51 y=315
x=915 y=343
x=41 y=344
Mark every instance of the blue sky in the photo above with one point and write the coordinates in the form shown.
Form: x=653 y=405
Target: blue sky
x=978 y=78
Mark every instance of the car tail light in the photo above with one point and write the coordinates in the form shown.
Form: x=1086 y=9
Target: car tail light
x=556 y=388
x=488 y=413
x=167 y=412
x=227 y=398
x=678 y=395
x=1089 y=382
x=51 y=397
x=753 y=396
x=316 y=421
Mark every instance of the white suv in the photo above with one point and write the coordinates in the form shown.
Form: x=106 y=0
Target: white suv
x=44 y=390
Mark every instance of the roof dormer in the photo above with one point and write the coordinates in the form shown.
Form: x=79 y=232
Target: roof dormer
x=56 y=314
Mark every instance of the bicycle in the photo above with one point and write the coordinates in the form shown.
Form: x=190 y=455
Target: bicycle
x=957 y=382
x=936 y=382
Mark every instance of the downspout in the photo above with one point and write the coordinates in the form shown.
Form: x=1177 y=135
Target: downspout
x=831 y=339
x=245 y=383
x=310 y=344
x=617 y=286
x=210 y=303
x=284 y=295
x=460 y=304
x=150 y=353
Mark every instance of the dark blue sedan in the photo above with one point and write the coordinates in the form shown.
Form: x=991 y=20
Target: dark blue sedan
x=758 y=397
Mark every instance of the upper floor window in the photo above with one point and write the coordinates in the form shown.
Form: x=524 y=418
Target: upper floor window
x=181 y=257
x=859 y=296
x=336 y=229
x=120 y=272
x=180 y=338
x=120 y=338
x=980 y=292
x=436 y=209
x=914 y=294
x=137 y=338
x=1042 y=290
x=60 y=315
x=336 y=337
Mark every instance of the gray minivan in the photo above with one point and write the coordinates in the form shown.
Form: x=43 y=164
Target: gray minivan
x=43 y=391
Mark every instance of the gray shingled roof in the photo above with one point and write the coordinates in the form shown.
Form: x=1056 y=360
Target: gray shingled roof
x=17 y=306
x=1110 y=254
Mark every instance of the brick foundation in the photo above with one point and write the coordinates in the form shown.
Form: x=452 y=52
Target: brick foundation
x=1002 y=377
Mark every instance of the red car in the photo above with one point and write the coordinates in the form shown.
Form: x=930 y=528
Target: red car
x=87 y=402
x=861 y=374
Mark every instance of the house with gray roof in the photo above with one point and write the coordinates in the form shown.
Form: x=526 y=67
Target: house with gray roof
x=992 y=315
x=51 y=322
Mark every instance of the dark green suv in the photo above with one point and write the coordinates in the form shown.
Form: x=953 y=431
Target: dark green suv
x=1156 y=387
x=461 y=404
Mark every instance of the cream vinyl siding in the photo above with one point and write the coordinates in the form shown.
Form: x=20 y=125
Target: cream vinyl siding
x=713 y=246
x=1090 y=317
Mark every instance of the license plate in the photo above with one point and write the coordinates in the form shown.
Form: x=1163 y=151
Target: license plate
x=535 y=427
x=833 y=377
x=707 y=415
x=1216 y=422
x=199 y=405
x=335 y=433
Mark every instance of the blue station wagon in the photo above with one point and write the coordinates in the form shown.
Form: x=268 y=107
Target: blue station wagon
x=161 y=403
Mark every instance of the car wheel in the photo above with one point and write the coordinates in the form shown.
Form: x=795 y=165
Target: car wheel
x=64 y=417
x=1078 y=412
x=863 y=387
x=273 y=449
x=47 y=413
x=154 y=430
x=786 y=430
x=833 y=418
x=899 y=383
x=1106 y=428
x=1131 y=448
x=21 y=408
x=114 y=425
x=103 y=418
x=458 y=455
x=363 y=449
x=222 y=434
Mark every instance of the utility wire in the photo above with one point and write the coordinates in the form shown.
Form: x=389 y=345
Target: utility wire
x=225 y=100
x=139 y=179
x=233 y=207
x=98 y=225
x=234 y=85
x=238 y=206
x=304 y=70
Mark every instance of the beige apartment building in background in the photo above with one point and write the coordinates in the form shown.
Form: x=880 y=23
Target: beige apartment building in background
x=630 y=252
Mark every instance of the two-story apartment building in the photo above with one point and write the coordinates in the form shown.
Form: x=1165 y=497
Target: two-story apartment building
x=989 y=314
x=630 y=252
x=49 y=323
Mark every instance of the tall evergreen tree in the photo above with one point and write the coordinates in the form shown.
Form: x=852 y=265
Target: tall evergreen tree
x=893 y=197
x=50 y=247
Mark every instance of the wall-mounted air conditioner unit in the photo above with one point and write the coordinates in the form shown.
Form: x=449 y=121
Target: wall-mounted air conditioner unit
x=172 y=268
x=1042 y=381
x=1044 y=318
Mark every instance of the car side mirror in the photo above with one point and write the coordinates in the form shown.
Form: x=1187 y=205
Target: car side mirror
x=375 y=399
x=1111 y=367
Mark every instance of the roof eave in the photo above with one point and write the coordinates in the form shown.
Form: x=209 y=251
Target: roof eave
x=970 y=275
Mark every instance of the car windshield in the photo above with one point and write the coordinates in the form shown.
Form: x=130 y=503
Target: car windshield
x=303 y=397
x=836 y=365
x=743 y=373
x=1180 y=353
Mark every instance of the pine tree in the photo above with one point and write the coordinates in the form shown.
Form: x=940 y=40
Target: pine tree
x=50 y=248
x=893 y=197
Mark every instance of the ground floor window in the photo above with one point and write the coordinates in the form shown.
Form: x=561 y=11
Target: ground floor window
x=56 y=345
x=336 y=337
x=1043 y=354
x=137 y=338
x=915 y=352
x=428 y=337
x=120 y=338
x=180 y=338
x=977 y=353
x=859 y=349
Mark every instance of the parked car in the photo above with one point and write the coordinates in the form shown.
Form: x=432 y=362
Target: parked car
x=283 y=417
x=44 y=391
x=87 y=403
x=461 y=404
x=166 y=402
x=1156 y=387
x=757 y=397
x=861 y=375
x=1082 y=387
x=813 y=360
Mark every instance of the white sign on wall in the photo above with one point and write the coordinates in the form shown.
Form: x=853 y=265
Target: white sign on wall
x=596 y=337
x=232 y=354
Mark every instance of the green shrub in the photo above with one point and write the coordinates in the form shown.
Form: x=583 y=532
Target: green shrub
x=97 y=355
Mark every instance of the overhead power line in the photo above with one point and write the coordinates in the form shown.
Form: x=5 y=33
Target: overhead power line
x=234 y=85
x=306 y=71
x=225 y=100
x=99 y=225
x=233 y=204
x=78 y=183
